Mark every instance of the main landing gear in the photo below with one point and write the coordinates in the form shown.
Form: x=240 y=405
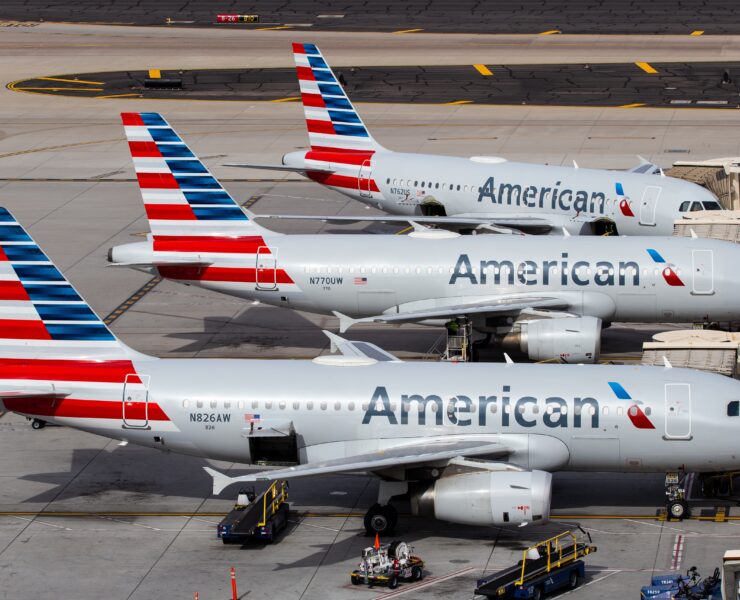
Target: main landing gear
x=381 y=517
x=37 y=424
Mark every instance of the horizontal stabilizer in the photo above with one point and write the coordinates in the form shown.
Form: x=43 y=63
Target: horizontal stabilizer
x=427 y=451
x=285 y=168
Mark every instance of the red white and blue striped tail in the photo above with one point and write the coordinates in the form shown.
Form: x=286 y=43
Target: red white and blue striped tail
x=41 y=315
x=332 y=122
x=181 y=197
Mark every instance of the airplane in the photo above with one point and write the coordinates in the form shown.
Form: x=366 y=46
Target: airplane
x=471 y=193
x=543 y=295
x=467 y=443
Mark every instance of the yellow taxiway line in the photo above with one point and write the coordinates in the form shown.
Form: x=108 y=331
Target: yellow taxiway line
x=408 y=31
x=483 y=70
x=696 y=33
x=647 y=67
x=71 y=80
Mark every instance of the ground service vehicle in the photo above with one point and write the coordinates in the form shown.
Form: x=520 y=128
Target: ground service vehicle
x=388 y=564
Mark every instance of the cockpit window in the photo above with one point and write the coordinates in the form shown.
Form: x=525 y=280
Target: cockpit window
x=712 y=205
x=684 y=206
x=696 y=206
x=733 y=408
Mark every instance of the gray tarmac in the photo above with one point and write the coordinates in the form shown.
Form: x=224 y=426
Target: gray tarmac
x=83 y=518
x=511 y=16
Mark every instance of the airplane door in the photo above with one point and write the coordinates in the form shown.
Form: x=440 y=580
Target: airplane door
x=136 y=402
x=364 y=178
x=266 y=268
x=702 y=272
x=649 y=204
x=678 y=411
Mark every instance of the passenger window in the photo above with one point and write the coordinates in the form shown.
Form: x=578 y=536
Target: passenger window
x=255 y=404
x=185 y=403
x=281 y=404
x=416 y=183
x=388 y=180
x=351 y=406
x=451 y=186
x=296 y=405
x=199 y=404
x=422 y=184
x=605 y=411
x=733 y=408
x=309 y=405
x=323 y=405
x=337 y=405
x=436 y=186
x=227 y=405
x=458 y=187
x=240 y=404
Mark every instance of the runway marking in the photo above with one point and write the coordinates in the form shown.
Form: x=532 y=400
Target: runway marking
x=289 y=99
x=456 y=102
x=550 y=32
x=647 y=67
x=120 y=96
x=428 y=582
x=60 y=147
x=635 y=105
x=696 y=33
x=677 y=553
x=407 y=31
x=57 y=89
x=483 y=70
x=71 y=80
x=155 y=74
x=131 y=300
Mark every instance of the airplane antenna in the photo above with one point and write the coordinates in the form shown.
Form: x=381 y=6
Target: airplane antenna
x=575 y=164
x=693 y=233
x=661 y=173
x=418 y=226
x=666 y=363
x=507 y=358
x=566 y=233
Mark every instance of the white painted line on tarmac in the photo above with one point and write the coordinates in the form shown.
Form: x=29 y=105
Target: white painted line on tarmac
x=612 y=572
x=677 y=553
x=43 y=523
x=430 y=581
x=304 y=524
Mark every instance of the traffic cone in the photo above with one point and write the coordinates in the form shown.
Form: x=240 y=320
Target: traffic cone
x=377 y=541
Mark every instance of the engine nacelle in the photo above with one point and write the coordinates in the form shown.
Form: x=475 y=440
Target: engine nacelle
x=570 y=339
x=487 y=498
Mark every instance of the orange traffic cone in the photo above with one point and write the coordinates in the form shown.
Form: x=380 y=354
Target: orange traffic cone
x=377 y=542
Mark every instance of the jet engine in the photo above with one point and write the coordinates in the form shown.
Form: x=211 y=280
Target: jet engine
x=487 y=498
x=570 y=339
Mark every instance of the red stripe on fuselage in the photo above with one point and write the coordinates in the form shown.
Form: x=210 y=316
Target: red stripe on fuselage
x=305 y=74
x=12 y=290
x=342 y=181
x=225 y=274
x=157 y=181
x=16 y=329
x=338 y=149
x=85 y=409
x=132 y=119
x=205 y=243
x=339 y=156
x=170 y=212
x=109 y=371
x=144 y=150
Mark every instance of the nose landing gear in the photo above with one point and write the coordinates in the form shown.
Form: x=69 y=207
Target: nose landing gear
x=675 y=491
x=381 y=520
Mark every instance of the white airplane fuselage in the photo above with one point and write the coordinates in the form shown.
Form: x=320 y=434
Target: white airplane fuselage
x=568 y=198
x=553 y=417
x=614 y=278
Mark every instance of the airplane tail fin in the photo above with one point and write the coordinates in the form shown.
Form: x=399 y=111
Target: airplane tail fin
x=43 y=319
x=333 y=123
x=181 y=197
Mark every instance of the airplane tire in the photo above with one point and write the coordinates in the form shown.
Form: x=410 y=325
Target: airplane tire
x=575 y=580
x=380 y=519
x=678 y=510
x=416 y=574
x=38 y=424
x=393 y=582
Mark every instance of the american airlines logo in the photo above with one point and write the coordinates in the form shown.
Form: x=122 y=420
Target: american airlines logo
x=552 y=198
x=547 y=272
x=464 y=411
x=636 y=415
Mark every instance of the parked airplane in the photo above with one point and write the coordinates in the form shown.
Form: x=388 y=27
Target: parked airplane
x=542 y=295
x=470 y=443
x=472 y=192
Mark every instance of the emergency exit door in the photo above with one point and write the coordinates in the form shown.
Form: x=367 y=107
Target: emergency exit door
x=136 y=401
x=266 y=268
x=678 y=411
x=364 y=179
x=649 y=204
x=702 y=262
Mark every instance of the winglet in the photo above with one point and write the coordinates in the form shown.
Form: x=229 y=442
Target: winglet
x=345 y=322
x=566 y=233
x=507 y=358
x=220 y=481
x=334 y=339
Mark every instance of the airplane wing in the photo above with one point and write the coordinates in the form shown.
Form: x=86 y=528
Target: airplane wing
x=284 y=168
x=645 y=166
x=503 y=305
x=426 y=451
x=359 y=349
x=523 y=223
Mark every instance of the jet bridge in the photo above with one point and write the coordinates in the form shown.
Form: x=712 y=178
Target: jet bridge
x=706 y=350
